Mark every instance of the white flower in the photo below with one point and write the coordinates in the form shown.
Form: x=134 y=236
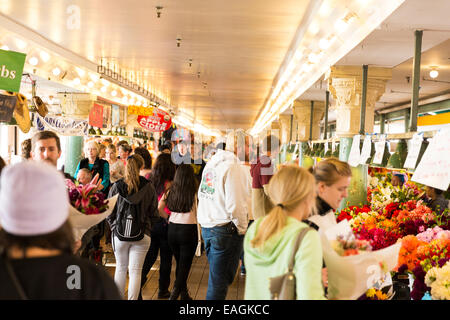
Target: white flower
x=440 y=290
x=431 y=276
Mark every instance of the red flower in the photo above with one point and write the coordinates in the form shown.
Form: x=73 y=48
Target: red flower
x=344 y=215
x=390 y=209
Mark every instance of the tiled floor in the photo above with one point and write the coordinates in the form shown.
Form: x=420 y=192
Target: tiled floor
x=197 y=281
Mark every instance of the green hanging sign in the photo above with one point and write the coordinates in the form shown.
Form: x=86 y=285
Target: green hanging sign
x=11 y=68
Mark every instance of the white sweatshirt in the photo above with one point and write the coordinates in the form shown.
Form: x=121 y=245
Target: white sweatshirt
x=223 y=193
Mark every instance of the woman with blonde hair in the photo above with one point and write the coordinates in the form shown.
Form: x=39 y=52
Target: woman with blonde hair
x=130 y=222
x=117 y=168
x=269 y=241
x=95 y=165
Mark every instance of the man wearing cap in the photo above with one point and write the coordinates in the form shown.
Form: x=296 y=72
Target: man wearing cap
x=37 y=260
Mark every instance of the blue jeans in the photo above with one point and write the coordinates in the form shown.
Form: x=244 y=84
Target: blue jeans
x=223 y=246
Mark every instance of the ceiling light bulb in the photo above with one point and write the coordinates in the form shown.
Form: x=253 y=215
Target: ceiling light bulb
x=90 y=84
x=76 y=81
x=5 y=47
x=105 y=82
x=341 y=25
x=314 y=28
x=434 y=73
x=114 y=93
x=80 y=72
x=56 y=71
x=103 y=89
x=33 y=61
x=324 y=44
x=20 y=44
x=44 y=56
x=313 y=58
x=94 y=77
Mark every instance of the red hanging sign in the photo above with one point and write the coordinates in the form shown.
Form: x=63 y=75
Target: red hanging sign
x=159 y=121
x=96 y=116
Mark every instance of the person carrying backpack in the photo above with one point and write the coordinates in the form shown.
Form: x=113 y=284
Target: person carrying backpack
x=130 y=223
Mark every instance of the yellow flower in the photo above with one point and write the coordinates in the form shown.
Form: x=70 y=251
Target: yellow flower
x=381 y=296
x=371 y=292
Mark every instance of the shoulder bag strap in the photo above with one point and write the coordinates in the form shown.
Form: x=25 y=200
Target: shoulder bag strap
x=14 y=278
x=300 y=237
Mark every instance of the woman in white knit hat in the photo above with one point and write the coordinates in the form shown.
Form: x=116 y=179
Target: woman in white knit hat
x=36 y=240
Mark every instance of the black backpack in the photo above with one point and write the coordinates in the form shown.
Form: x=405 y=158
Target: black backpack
x=130 y=226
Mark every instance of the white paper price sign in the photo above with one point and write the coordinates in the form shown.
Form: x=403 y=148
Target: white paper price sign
x=366 y=149
x=355 y=154
x=379 y=150
x=434 y=168
x=413 y=152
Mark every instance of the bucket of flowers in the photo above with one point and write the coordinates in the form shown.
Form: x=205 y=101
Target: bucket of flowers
x=88 y=207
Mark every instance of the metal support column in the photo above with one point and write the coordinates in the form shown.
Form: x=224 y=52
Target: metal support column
x=362 y=121
x=311 y=121
x=327 y=102
x=382 y=122
x=407 y=119
x=415 y=81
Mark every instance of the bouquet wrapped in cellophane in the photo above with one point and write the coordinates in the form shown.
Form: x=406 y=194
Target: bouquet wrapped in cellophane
x=88 y=207
x=353 y=267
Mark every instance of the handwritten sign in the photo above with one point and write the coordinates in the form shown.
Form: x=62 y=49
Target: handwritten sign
x=413 y=151
x=7 y=105
x=96 y=116
x=379 y=150
x=366 y=149
x=355 y=154
x=434 y=168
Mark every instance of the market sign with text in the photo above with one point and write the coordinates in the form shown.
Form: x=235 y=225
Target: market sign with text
x=11 y=68
x=159 y=121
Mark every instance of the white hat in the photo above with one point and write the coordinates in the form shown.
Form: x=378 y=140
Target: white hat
x=33 y=199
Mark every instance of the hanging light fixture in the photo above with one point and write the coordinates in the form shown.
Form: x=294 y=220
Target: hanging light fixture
x=434 y=73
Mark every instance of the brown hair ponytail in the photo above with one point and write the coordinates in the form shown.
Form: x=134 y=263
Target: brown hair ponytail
x=131 y=177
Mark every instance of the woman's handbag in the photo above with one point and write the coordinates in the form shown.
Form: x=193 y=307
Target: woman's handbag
x=283 y=287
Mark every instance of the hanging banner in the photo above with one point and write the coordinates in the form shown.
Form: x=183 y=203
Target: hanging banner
x=7 y=105
x=11 y=68
x=159 y=121
x=140 y=111
x=96 y=116
x=115 y=115
x=61 y=125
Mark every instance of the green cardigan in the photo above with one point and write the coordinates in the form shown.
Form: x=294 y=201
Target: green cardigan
x=273 y=260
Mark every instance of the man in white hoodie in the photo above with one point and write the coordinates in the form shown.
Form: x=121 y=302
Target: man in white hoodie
x=222 y=214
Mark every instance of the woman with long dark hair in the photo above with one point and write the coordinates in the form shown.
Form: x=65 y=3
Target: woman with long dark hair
x=181 y=200
x=161 y=177
x=130 y=223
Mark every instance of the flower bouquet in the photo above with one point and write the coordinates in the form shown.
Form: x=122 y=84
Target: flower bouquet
x=87 y=206
x=353 y=266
